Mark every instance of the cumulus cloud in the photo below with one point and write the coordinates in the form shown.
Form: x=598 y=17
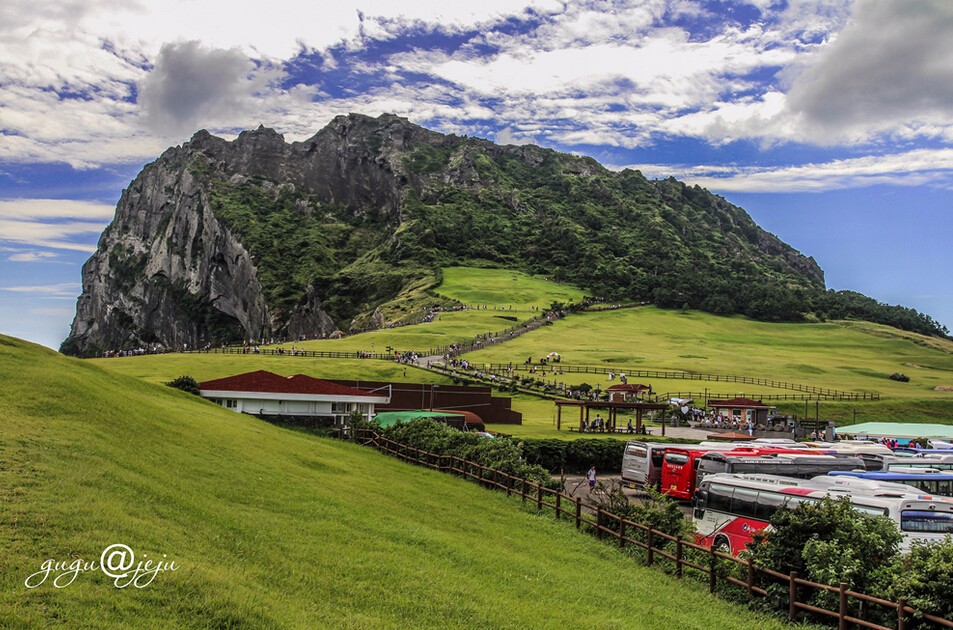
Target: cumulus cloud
x=890 y=68
x=506 y=136
x=193 y=86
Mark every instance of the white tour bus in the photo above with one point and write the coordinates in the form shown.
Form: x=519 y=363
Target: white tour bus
x=730 y=508
x=642 y=461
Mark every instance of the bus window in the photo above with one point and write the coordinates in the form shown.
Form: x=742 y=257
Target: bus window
x=744 y=502
x=927 y=485
x=719 y=497
x=928 y=522
x=768 y=504
x=636 y=450
x=676 y=458
x=870 y=510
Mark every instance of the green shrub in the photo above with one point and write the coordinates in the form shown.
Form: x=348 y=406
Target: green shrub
x=829 y=542
x=499 y=453
x=576 y=456
x=186 y=384
x=897 y=376
x=925 y=577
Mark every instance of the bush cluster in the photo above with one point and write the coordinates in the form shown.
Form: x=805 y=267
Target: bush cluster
x=576 y=456
x=186 y=384
x=493 y=452
x=831 y=542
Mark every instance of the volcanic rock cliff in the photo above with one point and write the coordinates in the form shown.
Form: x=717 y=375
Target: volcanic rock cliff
x=256 y=237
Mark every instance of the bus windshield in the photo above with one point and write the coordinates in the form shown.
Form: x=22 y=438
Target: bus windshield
x=926 y=521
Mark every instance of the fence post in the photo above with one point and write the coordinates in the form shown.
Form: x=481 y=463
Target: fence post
x=651 y=548
x=842 y=613
x=539 y=496
x=712 y=563
x=678 y=557
x=792 y=596
x=523 y=489
x=621 y=533
x=598 y=523
x=901 y=614
x=578 y=512
x=558 y=497
x=509 y=484
x=750 y=577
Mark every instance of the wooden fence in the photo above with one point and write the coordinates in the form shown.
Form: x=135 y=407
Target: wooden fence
x=683 y=555
x=501 y=368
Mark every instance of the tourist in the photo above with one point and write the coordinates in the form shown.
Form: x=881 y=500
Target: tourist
x=591 y=477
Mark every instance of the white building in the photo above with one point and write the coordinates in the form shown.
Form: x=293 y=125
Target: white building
x=264 y=393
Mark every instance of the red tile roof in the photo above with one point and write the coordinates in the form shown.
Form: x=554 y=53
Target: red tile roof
x=627 y=387
x=737 y=402
x=264 y=381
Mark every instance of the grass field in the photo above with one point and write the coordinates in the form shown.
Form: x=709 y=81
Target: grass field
x=851 y=356
x=447 y=328
x=273 y=528
x=202 y=367
x=505 y=289
x=826 y=355
x=510 y=297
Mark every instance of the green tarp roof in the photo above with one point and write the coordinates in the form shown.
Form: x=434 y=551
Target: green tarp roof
x=898 y=429
x=388 y=418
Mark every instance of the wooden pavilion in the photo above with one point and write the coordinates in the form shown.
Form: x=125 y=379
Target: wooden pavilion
x=612 y=410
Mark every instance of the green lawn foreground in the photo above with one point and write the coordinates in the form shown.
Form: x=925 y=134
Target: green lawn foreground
x=273 y=528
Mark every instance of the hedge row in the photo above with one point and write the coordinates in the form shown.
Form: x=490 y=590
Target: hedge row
x=577 y=456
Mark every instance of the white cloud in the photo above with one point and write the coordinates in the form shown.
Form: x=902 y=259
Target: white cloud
x=53 y=223
x=506 y=136
x=32 y=256
x=63 y=289
x=911 y=168
x=22 y=209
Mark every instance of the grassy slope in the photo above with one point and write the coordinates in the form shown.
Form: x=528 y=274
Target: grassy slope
x=499 y=287
x=276 y=528
x=854 y=356
x=827 y=355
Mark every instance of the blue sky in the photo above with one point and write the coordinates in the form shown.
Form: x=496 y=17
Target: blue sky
x=829 y=121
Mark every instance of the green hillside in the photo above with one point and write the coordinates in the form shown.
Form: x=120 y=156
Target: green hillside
x=849 y=356
x=273 y=528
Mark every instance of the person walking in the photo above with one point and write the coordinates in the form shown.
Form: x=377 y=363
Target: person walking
x=591 y=477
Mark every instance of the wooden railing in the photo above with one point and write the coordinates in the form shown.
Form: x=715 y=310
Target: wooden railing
x=562 y=368
x=682 y=554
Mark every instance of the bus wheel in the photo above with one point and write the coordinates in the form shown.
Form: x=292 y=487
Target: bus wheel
x=721 y=544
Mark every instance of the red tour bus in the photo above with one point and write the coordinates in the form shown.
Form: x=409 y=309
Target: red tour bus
x=680 y=465
x=730 y=508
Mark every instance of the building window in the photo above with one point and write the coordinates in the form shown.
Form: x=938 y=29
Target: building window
x=231 y=403
x=340 y=408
